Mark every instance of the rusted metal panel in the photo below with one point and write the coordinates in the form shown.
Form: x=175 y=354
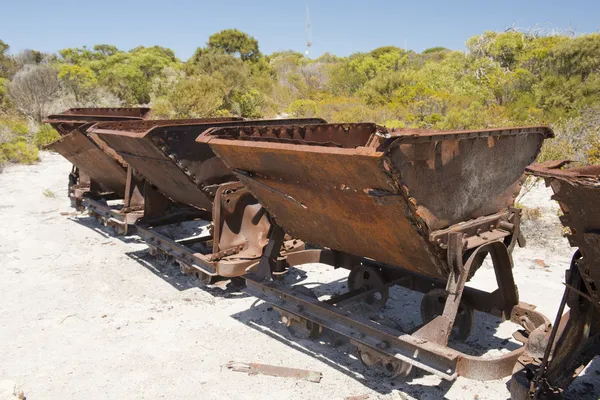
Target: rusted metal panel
x=83 y=118
x=239 y=232
x=91 y=155
x=85 y=155
x=133 y=112
x=75 y=118
x=574 y=340
x=273 y=370
x=375 y=193
x=577 y=191
x=459 y=176
x=167 y=155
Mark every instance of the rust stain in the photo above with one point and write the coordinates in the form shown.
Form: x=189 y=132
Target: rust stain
x=449 y=178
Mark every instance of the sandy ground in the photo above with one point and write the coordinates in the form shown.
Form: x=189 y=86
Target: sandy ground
x=84 y=315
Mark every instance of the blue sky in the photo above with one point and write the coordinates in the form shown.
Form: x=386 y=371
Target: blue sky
x=340 y=27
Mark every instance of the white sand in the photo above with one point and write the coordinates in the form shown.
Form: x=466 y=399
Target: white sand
x=84 y=315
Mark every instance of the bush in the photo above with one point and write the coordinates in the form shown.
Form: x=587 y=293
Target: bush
x=45 y=135
x=197 y=97
x=556 y=149
x=593 y=152
x=576 y=138
x=394 y=124
x=15 y=142
x=19 y=151
x=3 y=93
x=14 y=126
x=250 y=104
x=303 y=108
x=162 y=108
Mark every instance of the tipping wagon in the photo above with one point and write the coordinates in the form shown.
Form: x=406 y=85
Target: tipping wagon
x=98 y=172
x=555 y=357
x=415 y=208
x=177 y=170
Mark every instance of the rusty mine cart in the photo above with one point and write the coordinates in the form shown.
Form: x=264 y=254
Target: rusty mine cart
x=557 y=354
x=142 y=199
x=184 y=182
x=415 y=208
x=98 y=171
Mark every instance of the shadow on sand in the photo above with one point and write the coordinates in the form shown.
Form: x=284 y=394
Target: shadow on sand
x=401 y=310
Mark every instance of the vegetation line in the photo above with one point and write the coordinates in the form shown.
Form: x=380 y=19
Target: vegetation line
x=503 y=79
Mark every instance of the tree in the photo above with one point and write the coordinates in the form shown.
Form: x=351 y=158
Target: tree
x=7 y=63
x=79 y=81
x=196 y=97
x=250 y=104
x=577 y=57
x=130 y=75
x=382 y=51
x=106 y=50
x=235 y=79
x=7 y=69
x=3 y=94
x=303 y=108
x=33 y=89
x=436 y=49
x=232 y=41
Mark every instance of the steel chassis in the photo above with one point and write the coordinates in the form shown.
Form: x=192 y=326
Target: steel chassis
x=554 y=358
x=229 y=255
x=122 y=219
x=427 y=346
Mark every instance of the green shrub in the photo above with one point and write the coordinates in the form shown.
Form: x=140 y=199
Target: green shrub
x=3 y=93
x=593 y=152
x=434 y=50
x=15 y=126
x=250 y=104
x=162 y=108
x=15 y=142
x=556 y=149
x=303 y=108
x=394 y=124
x=45 y=135
x=19 y=151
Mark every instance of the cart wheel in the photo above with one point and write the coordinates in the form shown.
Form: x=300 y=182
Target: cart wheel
x=365 y=358
x=238 y=282
x=391 y=368
x=397 y=369
x=365 y=276
x=299 y=326
x=432 y=306
x=163 y=257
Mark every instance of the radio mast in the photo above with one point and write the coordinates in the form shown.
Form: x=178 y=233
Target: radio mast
x=308 y=33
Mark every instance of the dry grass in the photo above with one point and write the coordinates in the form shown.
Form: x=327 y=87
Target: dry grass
x=531 y=213
x=49 y=193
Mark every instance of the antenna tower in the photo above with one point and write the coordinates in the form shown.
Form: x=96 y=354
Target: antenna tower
x=308 y=33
